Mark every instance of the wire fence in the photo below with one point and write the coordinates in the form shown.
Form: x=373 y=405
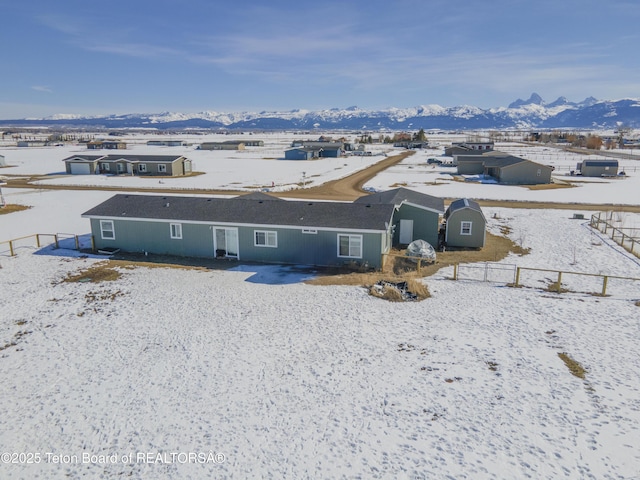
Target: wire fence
x=628 y=238
x=558 y=281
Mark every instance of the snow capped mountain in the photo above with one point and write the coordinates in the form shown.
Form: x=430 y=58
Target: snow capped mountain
x=531 y=113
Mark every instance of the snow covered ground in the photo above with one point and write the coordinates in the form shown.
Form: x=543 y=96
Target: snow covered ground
x=251 y=373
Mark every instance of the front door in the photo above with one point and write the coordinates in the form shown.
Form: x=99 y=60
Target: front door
x=406 y=231
x=225 y=242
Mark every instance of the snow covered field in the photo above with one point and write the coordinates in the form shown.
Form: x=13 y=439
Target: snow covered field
x=259 y=375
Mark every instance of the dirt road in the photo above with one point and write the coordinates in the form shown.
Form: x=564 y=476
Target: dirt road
x=344 y=189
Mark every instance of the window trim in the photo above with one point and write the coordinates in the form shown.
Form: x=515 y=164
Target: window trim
x=142 y=168
x=466 y=224
x=162 y=168
x=175 y=231
x=104 y=223
x=105 y=166
x=351 y=237
x=270 y=238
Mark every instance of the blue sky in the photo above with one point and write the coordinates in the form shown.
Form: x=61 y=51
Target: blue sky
x=146 y=56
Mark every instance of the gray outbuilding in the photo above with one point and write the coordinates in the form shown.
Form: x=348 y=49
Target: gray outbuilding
x=598 y=168
x=465 y=225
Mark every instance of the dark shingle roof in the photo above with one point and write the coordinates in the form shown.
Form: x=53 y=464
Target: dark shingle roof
x=130 y=158
x=503 y=161
x=398 y=196
x=600 y=163
x=460 y=204
x=248 y=211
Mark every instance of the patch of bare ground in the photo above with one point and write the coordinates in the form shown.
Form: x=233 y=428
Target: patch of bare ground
x=574 y=367
x=99 y=272
x=398 y=269
x=10 y=208
x=549 y=186
x=110 y=270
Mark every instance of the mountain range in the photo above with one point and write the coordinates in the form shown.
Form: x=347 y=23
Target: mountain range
x=520 y=114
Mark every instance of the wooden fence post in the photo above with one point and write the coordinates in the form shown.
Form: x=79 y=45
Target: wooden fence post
x=11 y=248
x=56 y=240
x=605 y=280
x=93 y=244
x=559 y=282
x=77 y=242
x=517 y=277
x=38 y=240
x=455 y=271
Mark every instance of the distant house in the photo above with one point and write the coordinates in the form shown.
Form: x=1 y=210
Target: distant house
x=106 y=144
x=460 y=151
x=262 y=228
x=504 y=168
x=301 y=153
x=253 y=143
x=597 y=168
x=140 y=165
x=321 y=149
x=165 y=143
x=516 y=170
x=464 y=225
x=478 y=146
x=32 y=143
x=228 y=145
x=416 y=215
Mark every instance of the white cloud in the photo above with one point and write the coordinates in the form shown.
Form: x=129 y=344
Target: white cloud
x=41 y=88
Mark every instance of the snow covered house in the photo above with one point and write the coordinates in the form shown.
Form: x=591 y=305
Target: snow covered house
x=465 y=225
x=140 y=165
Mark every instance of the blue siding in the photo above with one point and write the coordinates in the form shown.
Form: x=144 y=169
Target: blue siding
x=293 y=246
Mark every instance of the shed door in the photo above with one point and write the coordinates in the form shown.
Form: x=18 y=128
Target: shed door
x=80 y=169
x=406 y=231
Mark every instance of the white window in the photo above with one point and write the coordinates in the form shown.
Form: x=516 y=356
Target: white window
x=142 y=167
x=120 y=167
x=162 y=168
x=350 y=246
x=465 y=228
x=539 y=172
x=107 y=232
x=265 y=239
x=105 y=167
x=175 y=230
